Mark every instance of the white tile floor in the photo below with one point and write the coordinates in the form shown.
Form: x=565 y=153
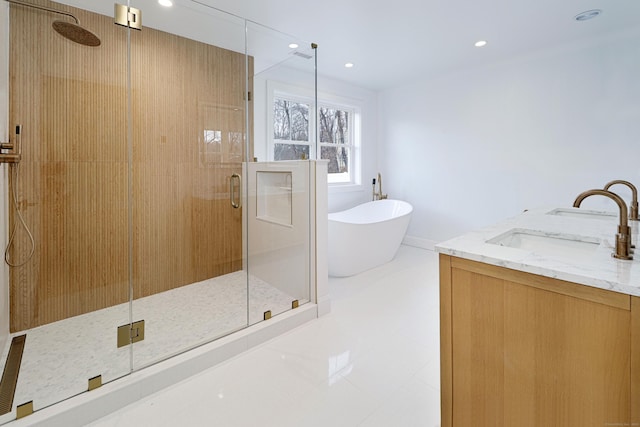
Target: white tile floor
x=373 y=361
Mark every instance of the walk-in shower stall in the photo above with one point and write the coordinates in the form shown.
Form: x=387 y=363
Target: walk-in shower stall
x=139 y=222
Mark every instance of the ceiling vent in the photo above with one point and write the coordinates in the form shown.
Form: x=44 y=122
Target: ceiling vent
x=302 y=55
x=589 y=14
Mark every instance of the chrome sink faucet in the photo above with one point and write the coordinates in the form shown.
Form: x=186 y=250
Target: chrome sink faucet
x=378 y=195
x=633 y=207
x=623 y=237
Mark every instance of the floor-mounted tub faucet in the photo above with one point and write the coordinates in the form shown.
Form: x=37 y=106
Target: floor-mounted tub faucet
x=633 y=207
x=373 y=189
x=378 y=195
x=623 y=238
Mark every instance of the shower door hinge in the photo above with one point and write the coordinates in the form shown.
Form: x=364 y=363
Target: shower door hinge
x=130 y=333
x=128 y=16
x=248 y=96
x=94 y=383
x=24 y=410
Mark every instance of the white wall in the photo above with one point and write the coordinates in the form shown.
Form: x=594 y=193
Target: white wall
x=4 y=135
x=471 y=148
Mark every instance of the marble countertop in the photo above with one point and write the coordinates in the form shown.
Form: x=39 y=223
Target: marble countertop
x=593 y=230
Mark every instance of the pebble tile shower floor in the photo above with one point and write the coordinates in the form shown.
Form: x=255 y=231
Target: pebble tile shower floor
x=60 y=357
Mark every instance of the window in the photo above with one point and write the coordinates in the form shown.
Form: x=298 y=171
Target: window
x=336 y=136
x=291 y=129
x=291 y=125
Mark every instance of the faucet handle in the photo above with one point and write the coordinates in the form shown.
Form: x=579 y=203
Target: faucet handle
x=623 y=243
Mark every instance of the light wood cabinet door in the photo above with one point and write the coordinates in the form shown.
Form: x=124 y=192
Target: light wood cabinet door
x=521 y=355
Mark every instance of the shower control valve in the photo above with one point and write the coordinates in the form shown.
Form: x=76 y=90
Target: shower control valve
x=13 y=156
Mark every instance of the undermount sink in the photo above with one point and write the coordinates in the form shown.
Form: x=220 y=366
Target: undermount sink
x=554 y=246
x=584 y=213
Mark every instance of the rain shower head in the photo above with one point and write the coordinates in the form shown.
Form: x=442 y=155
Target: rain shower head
x=69 y=30
x=76 y=33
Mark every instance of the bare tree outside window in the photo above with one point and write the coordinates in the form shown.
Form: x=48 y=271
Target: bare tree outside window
x=334 y=138
x=290 y=152
x=290 y=124
x=281 y=119
x=294 y=126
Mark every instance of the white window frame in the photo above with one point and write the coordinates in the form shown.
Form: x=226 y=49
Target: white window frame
x=303 y=95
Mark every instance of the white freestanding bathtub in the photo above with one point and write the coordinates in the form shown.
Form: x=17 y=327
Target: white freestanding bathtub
x=366 y=236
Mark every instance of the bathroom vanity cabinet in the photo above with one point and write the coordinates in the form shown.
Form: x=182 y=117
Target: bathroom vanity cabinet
x=545 y=333
x=518 y=349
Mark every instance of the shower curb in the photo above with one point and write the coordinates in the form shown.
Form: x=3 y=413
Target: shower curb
x=90 y=406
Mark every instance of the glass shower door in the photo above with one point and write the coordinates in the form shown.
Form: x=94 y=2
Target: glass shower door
x=69 y=277
x=188 y=90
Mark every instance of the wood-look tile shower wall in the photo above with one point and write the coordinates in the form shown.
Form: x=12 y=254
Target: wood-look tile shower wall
x=73 y=179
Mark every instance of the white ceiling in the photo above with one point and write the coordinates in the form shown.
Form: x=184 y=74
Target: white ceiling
x=392 y=42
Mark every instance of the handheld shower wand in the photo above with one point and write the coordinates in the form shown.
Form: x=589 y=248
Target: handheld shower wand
x=13 y=160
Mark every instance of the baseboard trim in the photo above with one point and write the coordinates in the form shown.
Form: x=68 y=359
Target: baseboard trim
x=324 y=305
x=419 y=242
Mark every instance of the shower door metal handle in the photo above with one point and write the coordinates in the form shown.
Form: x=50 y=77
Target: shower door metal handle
x=235 y=203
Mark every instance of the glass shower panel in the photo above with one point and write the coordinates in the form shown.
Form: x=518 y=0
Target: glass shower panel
x=139 y=186
x=188 y=74
x=279 y=237
x=69 y=279
x=280 y=183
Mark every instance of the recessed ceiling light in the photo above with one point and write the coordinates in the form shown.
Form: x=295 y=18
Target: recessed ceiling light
x=348 y=65
x=589 y=14
x=165 y=3
x=480 y=43
x=293 y=45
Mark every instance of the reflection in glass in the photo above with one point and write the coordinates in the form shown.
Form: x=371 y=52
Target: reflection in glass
x=290 y=152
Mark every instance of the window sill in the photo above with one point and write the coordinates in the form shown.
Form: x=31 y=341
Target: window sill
x=345 y=188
